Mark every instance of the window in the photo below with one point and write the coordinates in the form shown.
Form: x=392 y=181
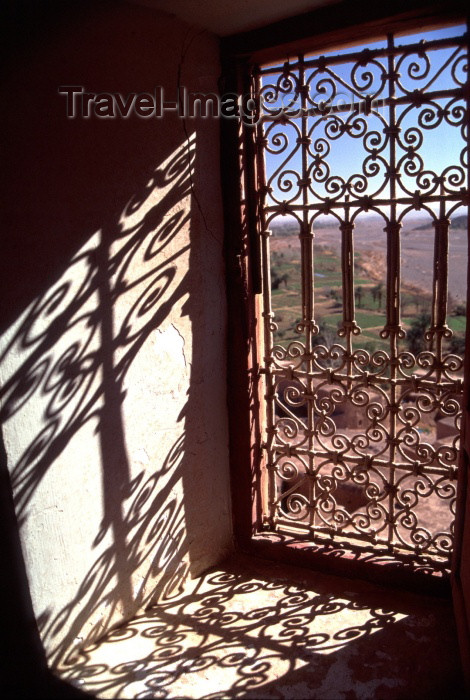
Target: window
x=361 y=197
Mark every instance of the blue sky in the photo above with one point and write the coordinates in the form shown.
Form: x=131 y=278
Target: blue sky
x=440 y=146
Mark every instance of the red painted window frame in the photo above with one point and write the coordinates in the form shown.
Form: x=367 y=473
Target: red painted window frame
x=325 y=28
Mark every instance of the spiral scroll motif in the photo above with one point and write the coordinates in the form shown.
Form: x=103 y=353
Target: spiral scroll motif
x=350 y=454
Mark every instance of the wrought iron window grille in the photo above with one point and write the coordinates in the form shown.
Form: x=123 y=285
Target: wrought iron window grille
x=362 y=428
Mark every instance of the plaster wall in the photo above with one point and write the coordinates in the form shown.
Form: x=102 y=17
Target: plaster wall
x=243 y=15
x=112 y=360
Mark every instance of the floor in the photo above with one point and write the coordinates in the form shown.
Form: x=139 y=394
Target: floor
x=253 y=629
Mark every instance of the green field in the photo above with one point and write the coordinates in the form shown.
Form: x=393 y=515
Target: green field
x=370 y=301
x=457 y=323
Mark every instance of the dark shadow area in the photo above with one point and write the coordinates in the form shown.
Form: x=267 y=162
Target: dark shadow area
x=86 y=384
x=23 y=666
x=254 y=630
x=93 y=217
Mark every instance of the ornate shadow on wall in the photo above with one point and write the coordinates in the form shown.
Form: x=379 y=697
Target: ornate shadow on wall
x=75 y=355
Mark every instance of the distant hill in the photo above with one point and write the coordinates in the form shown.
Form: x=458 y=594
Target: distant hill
x=458 y=222
x=290 y=226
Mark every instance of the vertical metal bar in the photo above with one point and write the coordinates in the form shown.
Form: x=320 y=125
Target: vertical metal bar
x=270 y=396
x=347 y=272
x=393 y=287
x=440 y=283
x=347 y=269
x=268 y=317
x=251 y=87
x=462 y=518
x=307 y=238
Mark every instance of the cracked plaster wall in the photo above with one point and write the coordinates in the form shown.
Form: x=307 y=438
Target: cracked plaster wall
x=113 y=340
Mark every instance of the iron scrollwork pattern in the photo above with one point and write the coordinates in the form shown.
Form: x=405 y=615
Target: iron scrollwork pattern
x=345 y=135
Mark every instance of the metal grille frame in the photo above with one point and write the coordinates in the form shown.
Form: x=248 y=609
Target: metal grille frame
x=308 y=461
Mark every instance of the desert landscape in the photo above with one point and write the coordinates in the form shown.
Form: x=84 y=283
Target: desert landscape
x=433 y=511
x=417 y=252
